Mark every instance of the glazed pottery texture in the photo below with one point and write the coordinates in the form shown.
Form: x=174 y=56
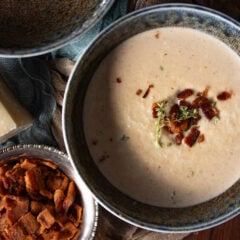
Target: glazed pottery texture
x=38 y=26
x=198 y=217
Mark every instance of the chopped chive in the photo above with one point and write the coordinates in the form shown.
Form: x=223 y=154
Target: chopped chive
x=124 y=138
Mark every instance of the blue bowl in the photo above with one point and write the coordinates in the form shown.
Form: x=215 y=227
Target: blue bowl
x=188 y=219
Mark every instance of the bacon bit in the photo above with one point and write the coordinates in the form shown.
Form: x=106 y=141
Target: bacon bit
x=46 y=219
x=157 y=35
x=139 y=92
x=29 y=223
x=178 y=138
x=50 y=164
x=36 y=207
x=27 y=164
x=186 y=104
x=154 y=110
x=177 y=127
x=194 y=121
x=199 y=101
x=168 y=129
x=70 y=198
x=16 y=232
x=174 y=112
x=209 y=111
x=224 y=96
x=185 y=93
x=17 y=206
x=118 y=80
x=58 y=199
x=192 y=137
x=205 y=91
x=75 y=215
x=46 y=193
x=67 y=232
x=201 y=138
x=148 y=90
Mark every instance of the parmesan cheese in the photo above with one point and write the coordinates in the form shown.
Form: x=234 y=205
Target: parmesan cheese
x=13 y=117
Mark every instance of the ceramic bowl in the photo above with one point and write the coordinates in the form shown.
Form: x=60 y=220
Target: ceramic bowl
x=90 y=207
x=39 y=26
x=194 y=218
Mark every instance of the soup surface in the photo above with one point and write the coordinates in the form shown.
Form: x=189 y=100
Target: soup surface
x=120 y=130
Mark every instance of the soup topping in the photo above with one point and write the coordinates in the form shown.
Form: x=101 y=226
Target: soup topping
x=179 y=116
x=38 y=201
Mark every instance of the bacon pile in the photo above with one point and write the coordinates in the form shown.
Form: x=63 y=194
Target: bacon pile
x=187 y=128
x=37 y=201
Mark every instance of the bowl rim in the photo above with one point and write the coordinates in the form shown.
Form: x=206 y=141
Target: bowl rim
x=86 y=196
x=96 y=16
x=108 y=206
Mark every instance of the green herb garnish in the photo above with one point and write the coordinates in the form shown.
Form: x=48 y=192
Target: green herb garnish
x=216 y=119
x=161 y=68
x=186 y=113
x=124 y=138
x=162 y=118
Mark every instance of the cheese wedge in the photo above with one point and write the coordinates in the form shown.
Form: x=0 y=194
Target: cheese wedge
x=13 y=117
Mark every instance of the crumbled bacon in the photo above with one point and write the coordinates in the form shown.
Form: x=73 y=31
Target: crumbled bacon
x=50 y=164
x=205 y=91
x=185 y=93
x=199 y=101
x=15 y=232
x=194 y=121
x=46 y=219
x=182 y=117
x=177 y=127
x=15 y=207
x=157 y=35
x=192 y=137
x=67 y=232
x=209 y=111
x=186 y=104
x=154 y=110
x=36 y=207
x=75 y=214
x=201 y=138
x=27 y=164
x=174 y=113
x=46 y=207
x=58 y=199
x=148 y=90
x=29 y=223
x=70 y=198
x=178 y=138
x=139 y=92
x=224 y=96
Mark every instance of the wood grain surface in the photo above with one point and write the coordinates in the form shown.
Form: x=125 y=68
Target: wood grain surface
x=111 y=228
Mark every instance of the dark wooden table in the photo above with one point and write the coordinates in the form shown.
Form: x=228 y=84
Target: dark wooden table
x=111 y=228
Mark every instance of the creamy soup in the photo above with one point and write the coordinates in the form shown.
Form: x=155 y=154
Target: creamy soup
x=120 y=129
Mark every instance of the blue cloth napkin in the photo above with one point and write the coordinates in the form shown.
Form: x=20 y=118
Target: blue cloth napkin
x=30 y=81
